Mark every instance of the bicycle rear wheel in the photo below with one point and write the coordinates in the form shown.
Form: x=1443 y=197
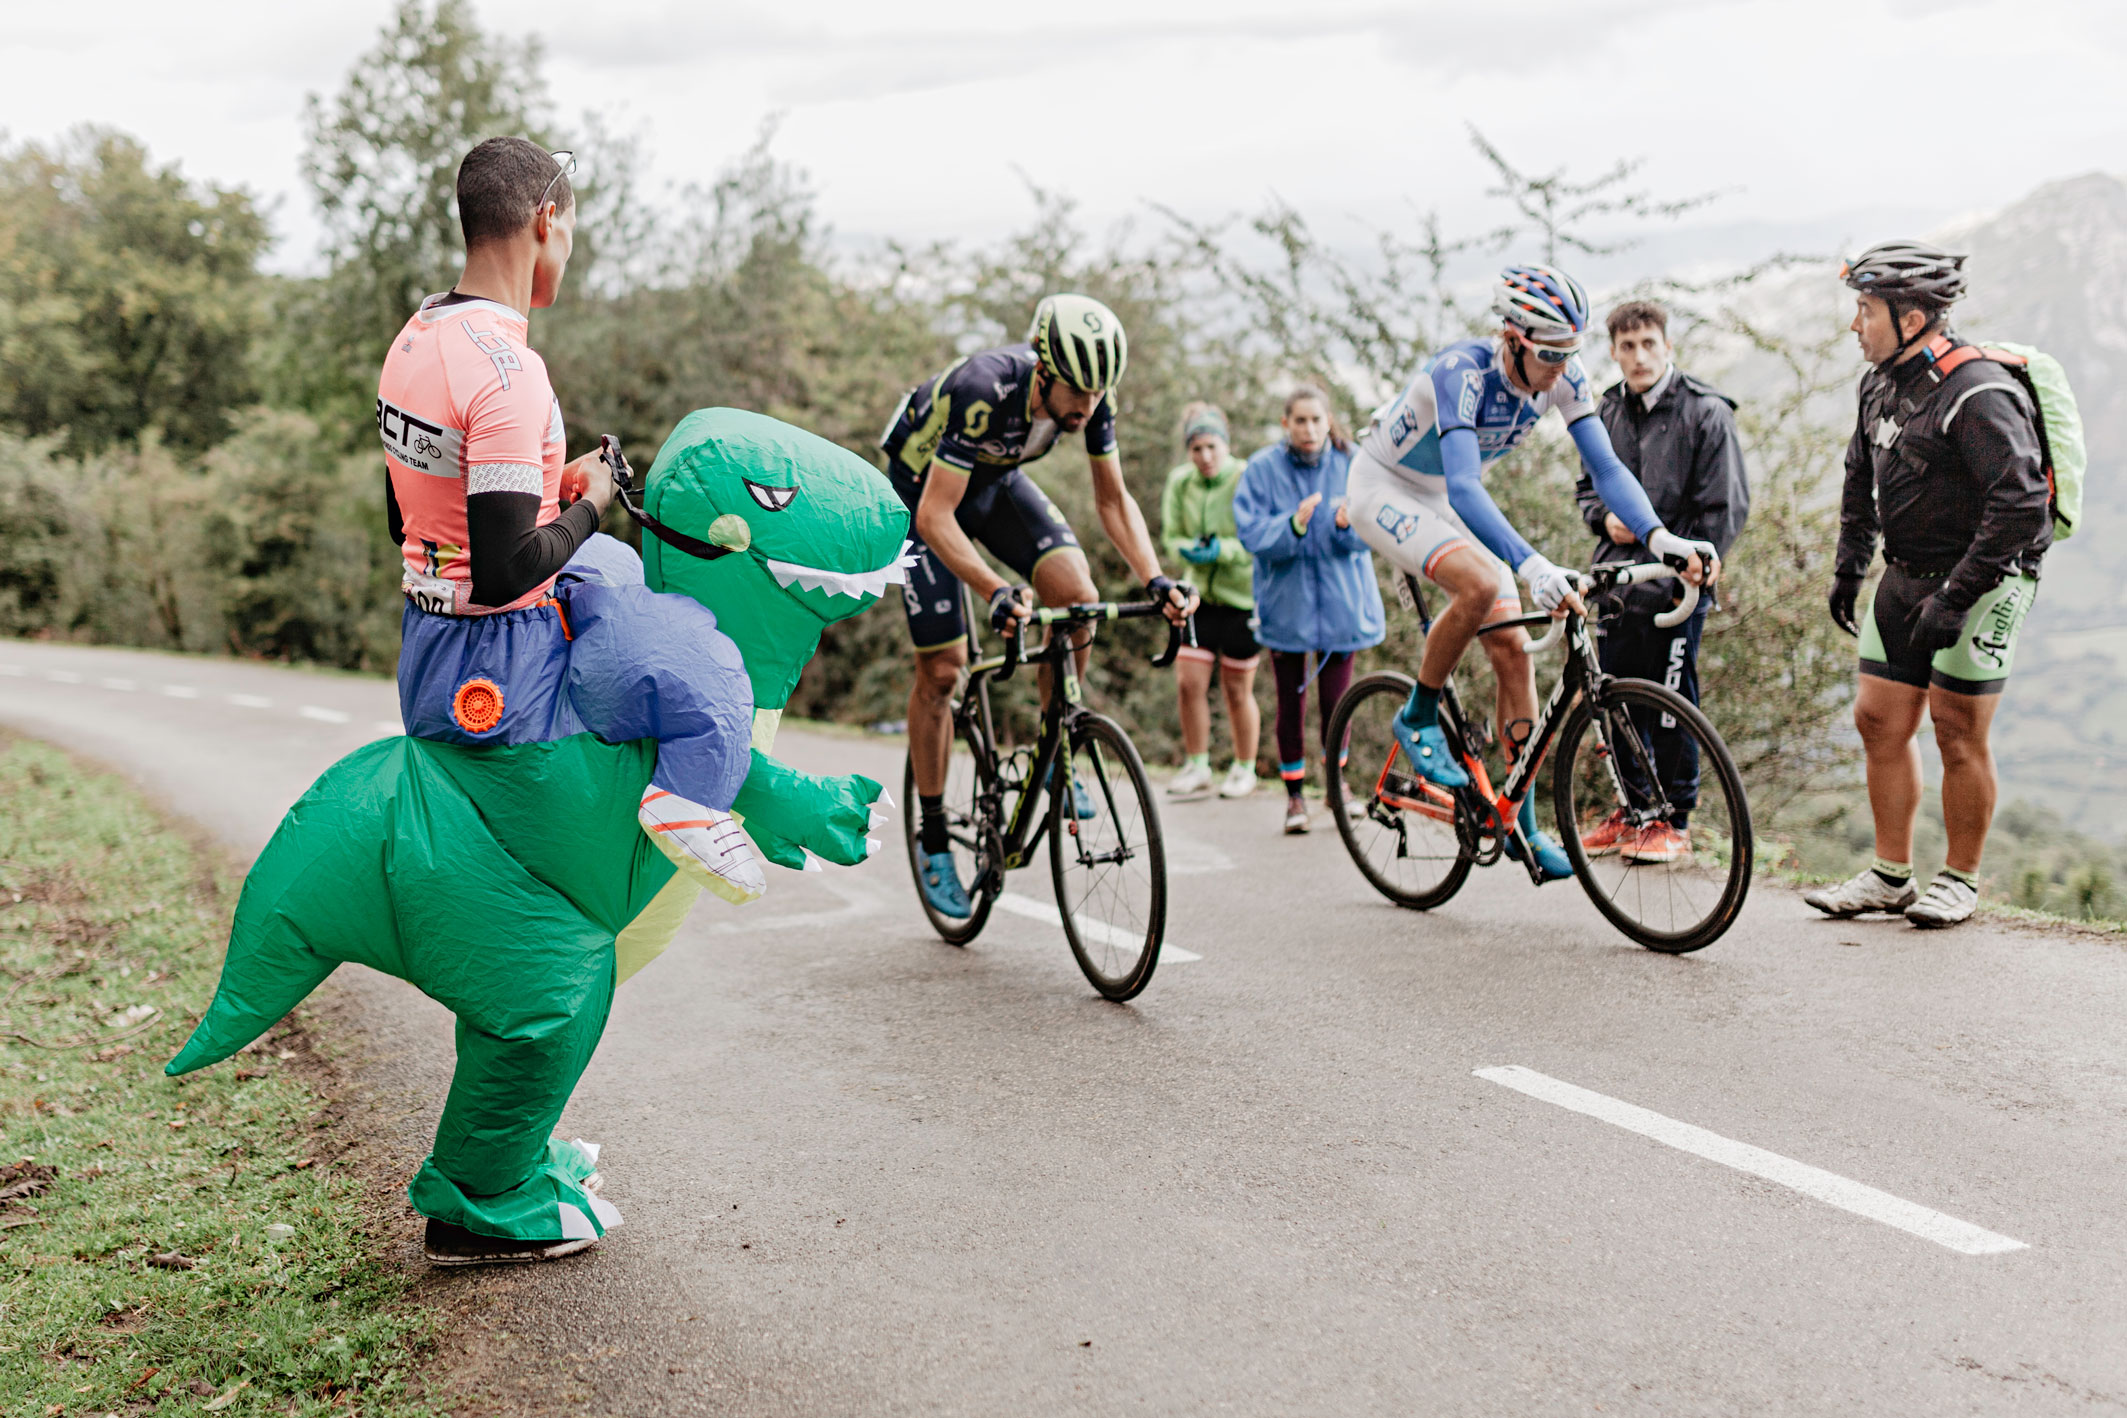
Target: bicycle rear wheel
x=1111 y=868
x=1399 y=829
x=973 y=841
x=1670 y=896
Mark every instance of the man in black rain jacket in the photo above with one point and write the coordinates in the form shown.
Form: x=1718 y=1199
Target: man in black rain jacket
x=1678 y=435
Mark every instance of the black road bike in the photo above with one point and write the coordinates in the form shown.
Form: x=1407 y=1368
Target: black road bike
x=1106 y=855
x=1416 y=841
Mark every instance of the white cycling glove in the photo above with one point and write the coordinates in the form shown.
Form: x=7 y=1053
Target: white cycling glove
x=1666 y=544
x=1548 y=583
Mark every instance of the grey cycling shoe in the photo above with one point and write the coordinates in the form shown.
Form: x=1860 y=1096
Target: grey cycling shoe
x=1947 y=902
x=1866 y=892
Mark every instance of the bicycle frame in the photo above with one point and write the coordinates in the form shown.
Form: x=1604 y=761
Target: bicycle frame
x=1583 y=674
x=1052 y=744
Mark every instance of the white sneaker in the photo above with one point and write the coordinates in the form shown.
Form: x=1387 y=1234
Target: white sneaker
x=1240 y=780
x=706 y=844
x=1866 y=892
x=1194 y=778
x=1947 y=902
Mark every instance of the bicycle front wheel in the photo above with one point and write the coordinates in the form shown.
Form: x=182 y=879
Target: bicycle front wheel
x=971 y=837
x=1643 y=777
x=1110 y=867
x=1399 y=829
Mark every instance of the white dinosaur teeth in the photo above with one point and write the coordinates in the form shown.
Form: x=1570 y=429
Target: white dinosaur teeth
x=844 y=583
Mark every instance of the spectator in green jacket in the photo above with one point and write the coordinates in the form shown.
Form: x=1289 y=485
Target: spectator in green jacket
x=1196 y=522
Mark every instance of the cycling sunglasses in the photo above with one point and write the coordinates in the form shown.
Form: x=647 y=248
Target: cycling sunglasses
x=564 y=166
x=1547 y=354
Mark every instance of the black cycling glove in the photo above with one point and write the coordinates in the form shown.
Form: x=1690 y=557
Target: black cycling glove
x=1845 y=591
x=1935 y=626
x=1003 y=602
x=1160 y=588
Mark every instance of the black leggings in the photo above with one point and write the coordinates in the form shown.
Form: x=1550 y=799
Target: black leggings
x=1290 y=667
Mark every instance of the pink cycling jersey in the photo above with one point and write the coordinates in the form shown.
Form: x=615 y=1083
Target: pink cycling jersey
x=464 y=407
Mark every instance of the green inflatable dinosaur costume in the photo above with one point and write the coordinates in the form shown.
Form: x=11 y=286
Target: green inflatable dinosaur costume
x=510 y=880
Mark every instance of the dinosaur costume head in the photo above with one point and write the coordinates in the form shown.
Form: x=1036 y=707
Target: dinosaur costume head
x=816 y=533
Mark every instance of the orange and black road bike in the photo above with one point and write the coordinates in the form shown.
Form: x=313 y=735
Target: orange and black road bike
x=1647 y=801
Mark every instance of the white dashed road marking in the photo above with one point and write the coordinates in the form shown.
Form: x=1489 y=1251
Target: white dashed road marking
x=323 y=716
x=180 y=691
x=118 y=682
x=250 y=701
x=62 y=676
x=391 y=728
x=14 y=670
x=1101 y=931
x=1827 y=1187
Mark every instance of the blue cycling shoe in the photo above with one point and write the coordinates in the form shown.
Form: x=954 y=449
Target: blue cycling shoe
x=1427 y=749
x=941 y=886
x=1082 y=802
x=1551 y=858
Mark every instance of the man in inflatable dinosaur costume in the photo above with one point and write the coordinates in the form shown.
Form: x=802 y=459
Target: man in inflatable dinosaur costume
x=510 y=880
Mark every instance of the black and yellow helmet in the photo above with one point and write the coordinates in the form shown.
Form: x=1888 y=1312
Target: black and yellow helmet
x=1079 y=340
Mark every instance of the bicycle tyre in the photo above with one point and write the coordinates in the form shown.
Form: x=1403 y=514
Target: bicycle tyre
x=1714 y=761
x=952 y=932
x=1356 y=706
x=1097 y=941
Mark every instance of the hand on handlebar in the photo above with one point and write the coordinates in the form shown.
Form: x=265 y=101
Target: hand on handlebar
x=1179 y=598
x=1552 y=586
x=1699 y=562
x=1009 y=608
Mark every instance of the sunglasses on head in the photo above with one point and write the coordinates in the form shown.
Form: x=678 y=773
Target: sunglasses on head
x=564 y=166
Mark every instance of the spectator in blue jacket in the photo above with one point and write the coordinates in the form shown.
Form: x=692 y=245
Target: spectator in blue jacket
x=1314 y=579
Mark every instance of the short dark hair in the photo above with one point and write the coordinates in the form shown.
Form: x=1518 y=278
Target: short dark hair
x=499 y=181
x=1635 y=313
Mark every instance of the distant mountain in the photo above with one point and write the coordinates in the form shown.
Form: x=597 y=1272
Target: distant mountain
x=2051 y=271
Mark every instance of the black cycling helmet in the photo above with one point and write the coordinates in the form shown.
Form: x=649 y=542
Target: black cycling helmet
x=1908 y=273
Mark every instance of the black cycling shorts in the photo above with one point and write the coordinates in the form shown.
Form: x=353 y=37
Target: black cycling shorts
x=1007 y=516
x=1980 y=661
x=1224 y=633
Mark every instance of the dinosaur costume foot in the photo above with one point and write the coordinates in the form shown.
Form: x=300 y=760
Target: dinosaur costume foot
x=705 y=844
x=557 y=1204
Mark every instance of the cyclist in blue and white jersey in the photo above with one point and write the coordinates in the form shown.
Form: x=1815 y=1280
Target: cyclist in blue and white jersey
x=1418 y=499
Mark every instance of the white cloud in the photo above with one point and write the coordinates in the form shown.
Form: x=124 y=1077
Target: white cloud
x=914 y=121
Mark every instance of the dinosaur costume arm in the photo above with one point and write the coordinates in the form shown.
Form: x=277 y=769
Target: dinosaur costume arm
x=786 y=812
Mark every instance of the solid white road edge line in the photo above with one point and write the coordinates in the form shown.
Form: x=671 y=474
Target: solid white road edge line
x=1827 y=1187
x=1101 y=931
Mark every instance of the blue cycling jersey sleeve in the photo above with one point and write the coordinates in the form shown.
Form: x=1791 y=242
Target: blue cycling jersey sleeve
x=1464 y=466
x=1614 y=483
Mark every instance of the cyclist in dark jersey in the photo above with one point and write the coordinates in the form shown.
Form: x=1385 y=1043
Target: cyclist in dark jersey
x=955 y=452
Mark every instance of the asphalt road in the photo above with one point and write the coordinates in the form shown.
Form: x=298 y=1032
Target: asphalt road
x=867 y=1173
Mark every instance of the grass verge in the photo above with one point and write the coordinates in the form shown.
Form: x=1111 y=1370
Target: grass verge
x=169 y=1245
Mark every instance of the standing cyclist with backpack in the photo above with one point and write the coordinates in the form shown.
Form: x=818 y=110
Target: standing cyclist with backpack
x=1948 y=463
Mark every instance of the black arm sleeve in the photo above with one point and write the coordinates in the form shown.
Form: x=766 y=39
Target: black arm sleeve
x=1719 y=495
x=394 y=521
x=1995 y=436
x=1857 y=508
x=509 y=552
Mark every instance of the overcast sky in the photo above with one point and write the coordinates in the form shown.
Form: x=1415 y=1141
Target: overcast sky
x=1826 y=118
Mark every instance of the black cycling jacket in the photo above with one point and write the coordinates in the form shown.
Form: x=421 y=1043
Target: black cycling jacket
x=1949 y=471
x=1685 y=452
